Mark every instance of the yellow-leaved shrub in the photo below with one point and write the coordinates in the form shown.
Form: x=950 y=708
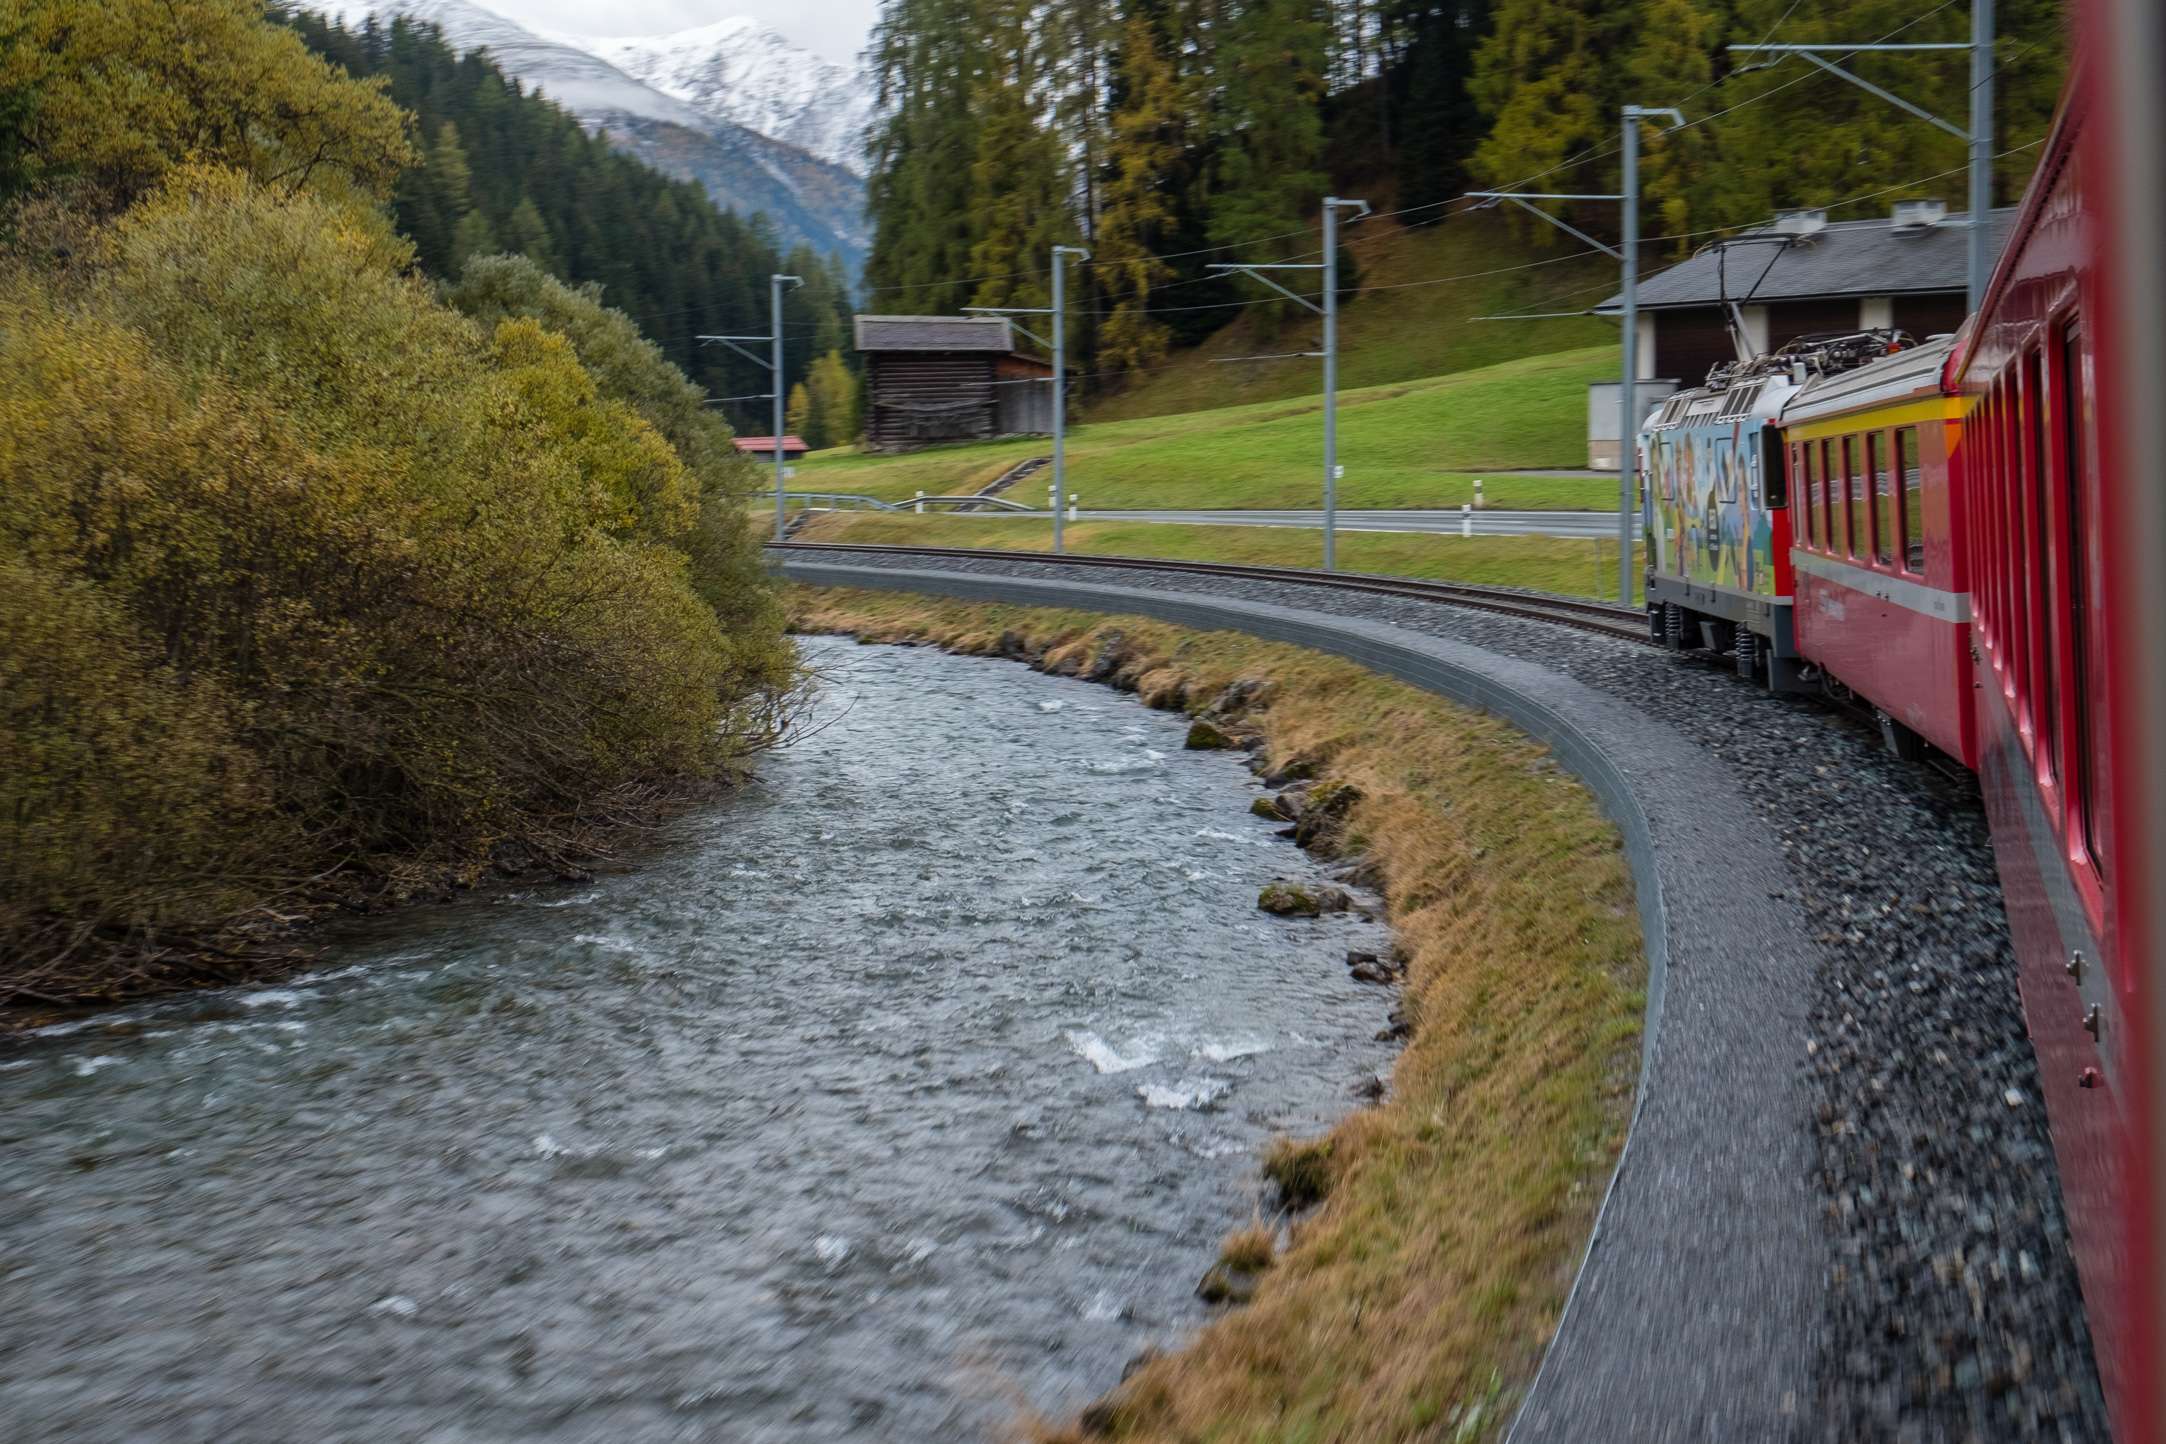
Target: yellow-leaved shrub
x=306 y=575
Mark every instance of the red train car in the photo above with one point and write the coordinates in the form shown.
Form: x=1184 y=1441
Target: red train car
x=1978 y=541
x=2066 y=660
x=1882 y=606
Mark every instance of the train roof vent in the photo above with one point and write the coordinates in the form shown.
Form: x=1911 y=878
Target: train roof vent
x=1917 y=215
x=1799 y=223
x=1741 y=400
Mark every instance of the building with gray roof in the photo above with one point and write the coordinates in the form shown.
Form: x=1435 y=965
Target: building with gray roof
x=1803 y=274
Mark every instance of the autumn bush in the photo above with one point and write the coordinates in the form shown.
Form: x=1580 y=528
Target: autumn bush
x=313 y=586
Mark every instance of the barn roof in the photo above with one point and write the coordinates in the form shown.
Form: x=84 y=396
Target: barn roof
x=934 y=333
x=1844 y=258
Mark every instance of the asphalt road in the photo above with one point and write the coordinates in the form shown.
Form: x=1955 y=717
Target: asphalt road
x=1591 y=524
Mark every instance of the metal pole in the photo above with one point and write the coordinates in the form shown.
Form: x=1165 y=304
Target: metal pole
x=1981 y=145
x=1627 y=423
x=1060 y=391
x=775 y=283
x=1331 y=383
x=1060 y=401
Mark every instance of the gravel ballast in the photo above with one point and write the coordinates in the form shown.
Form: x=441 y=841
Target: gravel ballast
x=1947 y=1304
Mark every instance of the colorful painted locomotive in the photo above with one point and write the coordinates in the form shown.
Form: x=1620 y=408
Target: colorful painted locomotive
x=1715 y=504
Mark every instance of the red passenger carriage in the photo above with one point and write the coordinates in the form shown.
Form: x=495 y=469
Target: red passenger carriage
x=1881 y=606
x=2066 y=666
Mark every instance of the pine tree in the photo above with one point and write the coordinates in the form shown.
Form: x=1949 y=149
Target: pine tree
x=1268 y=125
x=1671 y=56
x=1136 y=206
x=473 y=236
x=1435 y=124
x=1542 y=81
x=525 y=234
x=1019 y=177
x=1856 y=142
x=926 y=64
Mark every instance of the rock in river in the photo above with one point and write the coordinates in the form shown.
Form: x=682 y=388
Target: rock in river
x=1292 y=900
x=1206 y=737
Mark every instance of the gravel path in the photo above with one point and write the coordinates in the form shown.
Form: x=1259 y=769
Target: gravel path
x=1950 y=1309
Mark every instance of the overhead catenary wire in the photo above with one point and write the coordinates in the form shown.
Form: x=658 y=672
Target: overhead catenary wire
x=1553 y=260
x=1591 y=153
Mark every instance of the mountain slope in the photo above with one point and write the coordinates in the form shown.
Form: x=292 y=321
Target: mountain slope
x=807 y=198
x=738 y=72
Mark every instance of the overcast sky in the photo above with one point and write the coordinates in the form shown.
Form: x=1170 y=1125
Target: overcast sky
x=833 y=28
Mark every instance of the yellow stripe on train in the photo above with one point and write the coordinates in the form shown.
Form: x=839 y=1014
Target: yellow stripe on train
x=1931 y=408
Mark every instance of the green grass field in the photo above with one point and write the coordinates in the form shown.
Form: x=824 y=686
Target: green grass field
x=1412 y=326
x=1571 y=565
x=1405 y=444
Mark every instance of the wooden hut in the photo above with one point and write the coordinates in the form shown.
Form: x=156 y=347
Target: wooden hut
x=932 y=379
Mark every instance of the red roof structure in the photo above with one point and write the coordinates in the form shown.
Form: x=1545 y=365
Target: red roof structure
x=792 y=446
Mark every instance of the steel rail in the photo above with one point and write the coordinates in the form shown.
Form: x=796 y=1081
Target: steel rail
x=1607 y=618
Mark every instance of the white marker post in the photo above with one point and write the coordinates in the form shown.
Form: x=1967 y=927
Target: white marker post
x=1477 y=493
x=1466 y=520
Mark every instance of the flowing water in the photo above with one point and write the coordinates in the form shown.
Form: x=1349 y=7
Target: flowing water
x=911 y=1084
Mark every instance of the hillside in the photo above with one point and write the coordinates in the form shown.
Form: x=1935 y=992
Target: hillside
x=1404 y=323
x=506 y=169
x=809 y=199
x=739 y=71
x=1411 y=443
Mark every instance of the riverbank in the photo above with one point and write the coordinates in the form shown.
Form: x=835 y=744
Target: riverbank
x=1425 y=1245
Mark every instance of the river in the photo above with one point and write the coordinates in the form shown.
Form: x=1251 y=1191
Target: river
x=912 y=1084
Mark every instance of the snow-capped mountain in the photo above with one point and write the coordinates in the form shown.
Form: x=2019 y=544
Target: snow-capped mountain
x=738 y=71
x=581 y=82
x=807 y=196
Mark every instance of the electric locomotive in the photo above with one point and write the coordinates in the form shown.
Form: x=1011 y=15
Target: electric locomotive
x=1715 y=505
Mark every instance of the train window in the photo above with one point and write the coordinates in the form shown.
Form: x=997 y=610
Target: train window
x=1801 y=462
x=1830 y=504
x=2094 y=798
x=1774 y=479
x=2038 y=554
x=1883 y=480
x=2015 y=587
x=1906 y=460
x=1854 y=484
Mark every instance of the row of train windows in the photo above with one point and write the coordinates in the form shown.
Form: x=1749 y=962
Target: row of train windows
x=2037 y=582
x=1864 y=497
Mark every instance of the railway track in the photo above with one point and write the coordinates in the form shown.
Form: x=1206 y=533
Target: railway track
x=1607 y=618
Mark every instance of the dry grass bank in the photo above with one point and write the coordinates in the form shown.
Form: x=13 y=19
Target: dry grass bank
x=1413 y=1300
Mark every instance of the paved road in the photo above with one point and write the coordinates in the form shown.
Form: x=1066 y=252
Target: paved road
x=1601 y=524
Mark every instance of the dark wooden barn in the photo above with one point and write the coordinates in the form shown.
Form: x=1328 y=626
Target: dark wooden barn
x=931 y=379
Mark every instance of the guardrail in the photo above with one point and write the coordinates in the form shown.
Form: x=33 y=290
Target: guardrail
x=915 y=503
